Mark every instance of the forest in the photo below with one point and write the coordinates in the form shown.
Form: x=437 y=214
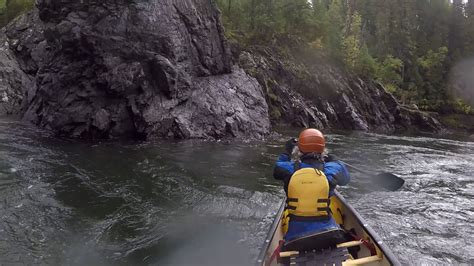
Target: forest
x=409 y=46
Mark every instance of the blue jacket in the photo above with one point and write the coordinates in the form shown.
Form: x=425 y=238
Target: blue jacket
x=335 y=172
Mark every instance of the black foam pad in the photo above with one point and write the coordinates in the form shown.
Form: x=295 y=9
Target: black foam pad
x=317 y=241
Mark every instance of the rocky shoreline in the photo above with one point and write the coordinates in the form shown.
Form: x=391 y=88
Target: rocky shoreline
x=304 y=89
x=163 y=69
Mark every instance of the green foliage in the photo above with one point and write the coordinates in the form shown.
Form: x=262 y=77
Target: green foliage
x=469 y=29
x=407 y=45
x=366 y=65
x=335 y=28
x=462 y=107
x=433 y=59
x=355 y=53
x=434 y=74
x=263 y=21
x=390 y=71
x=10 y=9
x=459 y=121
x=2 y=10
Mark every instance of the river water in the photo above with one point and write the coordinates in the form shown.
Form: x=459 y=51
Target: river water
x=211 y=203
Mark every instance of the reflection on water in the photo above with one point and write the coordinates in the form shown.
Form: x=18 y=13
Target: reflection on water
x=211 y=203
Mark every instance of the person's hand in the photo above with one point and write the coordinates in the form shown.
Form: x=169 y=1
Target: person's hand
x=290 y=145
x=330 y=158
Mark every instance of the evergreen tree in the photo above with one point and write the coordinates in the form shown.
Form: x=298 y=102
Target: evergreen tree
x=456 y=36
x=390 y=74
x=433 y=90
x=351 y=42
x=408 y=45
x=333 y=41
x=469 y=29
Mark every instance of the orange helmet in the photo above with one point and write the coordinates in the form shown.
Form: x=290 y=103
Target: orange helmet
x=311 y=140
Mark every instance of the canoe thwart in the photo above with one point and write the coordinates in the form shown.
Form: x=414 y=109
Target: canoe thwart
x=349 y=244
x=285 y=254
x=362 y=261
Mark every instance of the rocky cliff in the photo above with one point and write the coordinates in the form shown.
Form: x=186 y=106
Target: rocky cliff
x=162 y=68
x=305 y=89
x=13 y=80
x=143 y=69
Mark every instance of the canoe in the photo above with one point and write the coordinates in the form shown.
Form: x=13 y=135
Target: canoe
x=360 y=244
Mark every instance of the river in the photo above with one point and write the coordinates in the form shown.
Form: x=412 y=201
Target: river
x=211 y=203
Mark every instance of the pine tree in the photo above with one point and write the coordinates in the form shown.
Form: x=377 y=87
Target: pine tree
x=469 y=29
x=456 y=36
x=409 y=45
x=333 y=41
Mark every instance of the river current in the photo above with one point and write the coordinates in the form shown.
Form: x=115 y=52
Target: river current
x=64 y=202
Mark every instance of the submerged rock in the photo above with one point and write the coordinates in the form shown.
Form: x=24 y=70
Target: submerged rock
x=143 y=69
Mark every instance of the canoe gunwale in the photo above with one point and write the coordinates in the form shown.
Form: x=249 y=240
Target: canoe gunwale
x=270 y=234
x=375 y=237
x=363 y=224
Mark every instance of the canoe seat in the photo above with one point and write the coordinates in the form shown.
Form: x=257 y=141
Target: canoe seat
x=335 y=257
x=317 y=241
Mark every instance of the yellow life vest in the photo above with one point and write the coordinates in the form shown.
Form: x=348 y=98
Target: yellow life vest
x=308 y=195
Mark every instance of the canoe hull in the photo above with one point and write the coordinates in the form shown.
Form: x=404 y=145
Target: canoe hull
x=373 y=252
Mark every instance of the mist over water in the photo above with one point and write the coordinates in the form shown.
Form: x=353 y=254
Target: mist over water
x=462 y=80
x=211 y=203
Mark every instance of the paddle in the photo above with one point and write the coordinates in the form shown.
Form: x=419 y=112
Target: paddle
x=388 y=181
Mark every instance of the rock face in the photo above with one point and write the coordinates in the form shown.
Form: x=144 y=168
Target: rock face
x=425 y=122
x=12 y=80
x=306 y=90
x=158 y=68
x=162 y=68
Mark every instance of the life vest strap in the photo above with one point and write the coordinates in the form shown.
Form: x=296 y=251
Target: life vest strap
x=291 y=200
x=308 y=218
x=328 y=210
x=288 y=200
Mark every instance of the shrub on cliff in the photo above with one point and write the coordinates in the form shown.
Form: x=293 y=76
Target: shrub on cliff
x=9 y=9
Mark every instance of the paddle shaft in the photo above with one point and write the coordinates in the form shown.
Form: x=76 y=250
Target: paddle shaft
x=357 y=169
x=386 y=180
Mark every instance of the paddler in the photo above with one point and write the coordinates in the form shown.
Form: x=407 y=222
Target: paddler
x=309 y=182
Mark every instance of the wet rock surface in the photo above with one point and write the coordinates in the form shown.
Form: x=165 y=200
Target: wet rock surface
x=307 y=90
x=141 y=69
x=12 y=80
x=163 y=69
x=426 y=122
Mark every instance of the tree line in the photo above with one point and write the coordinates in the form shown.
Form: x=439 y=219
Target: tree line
x=407 y=45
